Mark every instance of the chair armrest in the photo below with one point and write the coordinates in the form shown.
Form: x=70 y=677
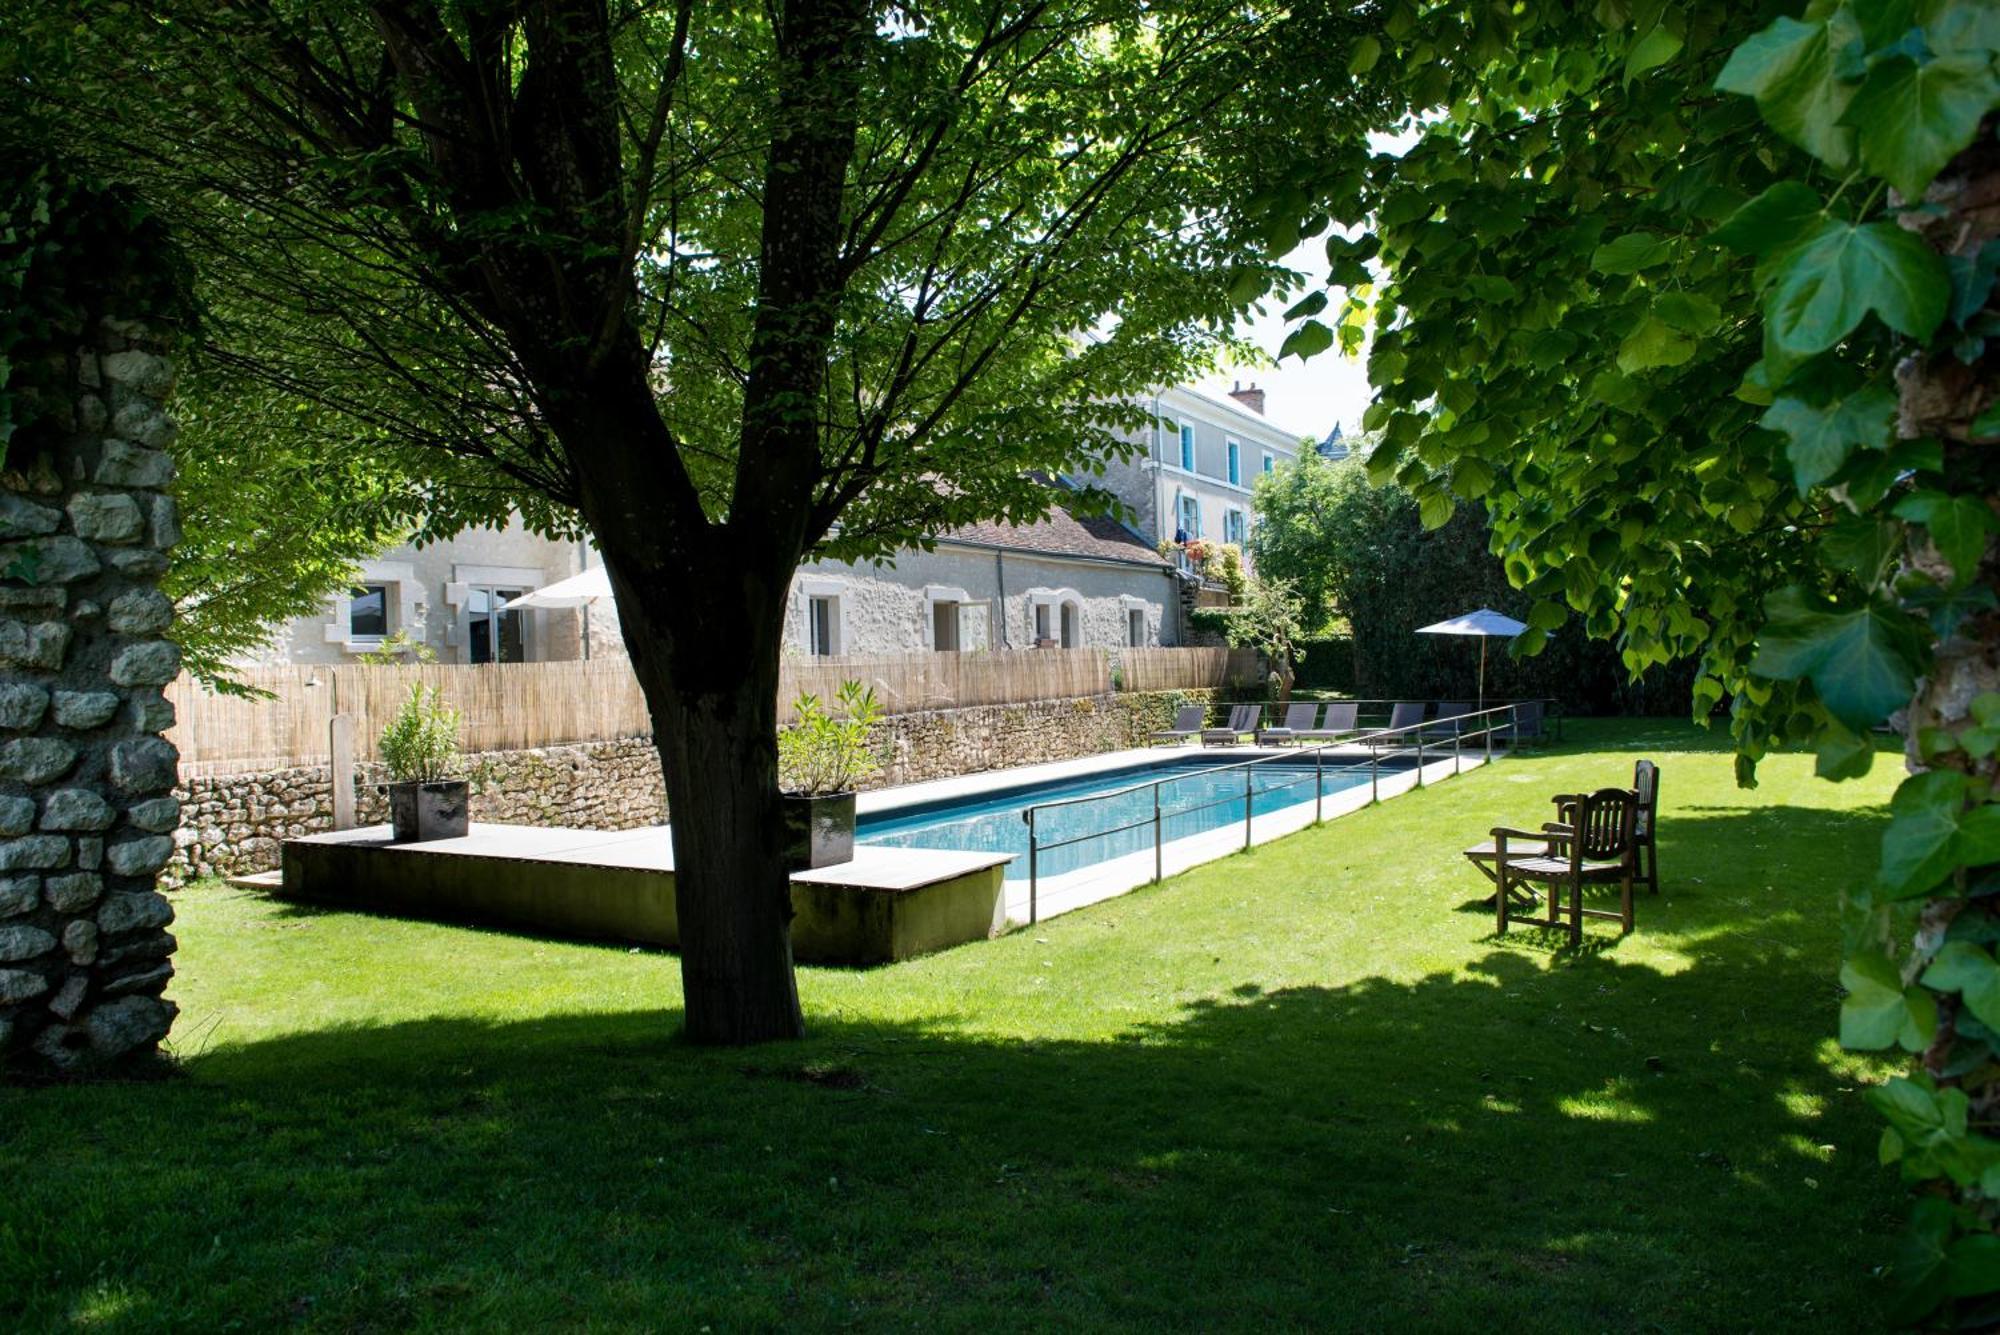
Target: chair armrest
x=1508 y=832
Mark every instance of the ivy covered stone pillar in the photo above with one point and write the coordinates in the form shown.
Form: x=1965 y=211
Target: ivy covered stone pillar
x=86 y=779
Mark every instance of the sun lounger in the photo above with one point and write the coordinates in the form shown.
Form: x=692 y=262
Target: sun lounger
x=1298 y=722
x=1242 y=723
x=1450 y=720
x=1338 y=722
x=1187 y=724
x=1403 y=721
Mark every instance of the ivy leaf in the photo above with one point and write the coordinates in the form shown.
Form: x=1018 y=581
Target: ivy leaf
x=1947 y=609
x=1960 y=527
x=1653 y=343
x=1918 y=847
x=1308 y=340
x=1865 y=548
x=1921 y=1258
x=1968 y=970
x=1789 y=69
x=1630 y=253
x=1842 y=753
x=1820 y=435
x=1861 y=662
x=1821 y=289
x=1877 y=1012
x=1914 y=118
x=1778 y=219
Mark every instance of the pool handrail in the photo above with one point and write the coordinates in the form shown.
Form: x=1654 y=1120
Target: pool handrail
x=1373 y=759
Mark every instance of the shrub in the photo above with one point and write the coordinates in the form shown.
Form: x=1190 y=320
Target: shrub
x=420 y=745
x=823 y=753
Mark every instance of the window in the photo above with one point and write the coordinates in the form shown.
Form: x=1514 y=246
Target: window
x=1187 y=517
x=1135 y=627
x=1235 y=464
x=1187 y=447
x=1072 y=631
x=1270 y=462
x=821 y=617
x=944 y=626
x=368 y=612
x=1233 y=527
x=493 y=634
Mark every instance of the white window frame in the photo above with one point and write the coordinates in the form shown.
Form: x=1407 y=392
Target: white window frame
x=1185 y=500
x=836 y=589
x=1235 y=526
x=1055 y=600
x=465 y=578
x=1270 y=462
x=1144 y=611
x=1188 y=458
x=944 y=593
x=403 y=604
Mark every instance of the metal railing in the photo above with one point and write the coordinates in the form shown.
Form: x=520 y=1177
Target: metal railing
x=1484 y=726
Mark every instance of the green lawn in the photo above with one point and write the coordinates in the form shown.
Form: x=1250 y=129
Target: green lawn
x=1301 y=1087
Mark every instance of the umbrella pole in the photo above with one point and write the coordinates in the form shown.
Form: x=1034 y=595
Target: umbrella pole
x=1482 y=674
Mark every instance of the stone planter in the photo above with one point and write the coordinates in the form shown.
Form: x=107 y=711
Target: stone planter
x=819 y=831
x=421 y=811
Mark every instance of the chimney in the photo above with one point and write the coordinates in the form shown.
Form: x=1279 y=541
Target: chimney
x=1251 y=398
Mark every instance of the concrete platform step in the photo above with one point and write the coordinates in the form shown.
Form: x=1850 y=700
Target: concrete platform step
x=257 y=880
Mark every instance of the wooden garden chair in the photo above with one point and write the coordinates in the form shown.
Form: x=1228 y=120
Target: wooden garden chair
x=1645 y=782
x=1595 y=847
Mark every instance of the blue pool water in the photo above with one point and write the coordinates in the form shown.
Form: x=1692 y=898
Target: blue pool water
x=1195 y=796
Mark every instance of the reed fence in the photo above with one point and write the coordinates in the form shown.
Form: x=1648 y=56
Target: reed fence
x=508 y=706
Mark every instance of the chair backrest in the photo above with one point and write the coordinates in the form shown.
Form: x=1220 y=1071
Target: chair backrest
x=1451 y=711
x=1646 y=784
x=1528 y=718
x=1299 y=717
x=1603 y=824
x=1406 y=715
x=1340 y=716
x=1189 y=718
x=1244 y=717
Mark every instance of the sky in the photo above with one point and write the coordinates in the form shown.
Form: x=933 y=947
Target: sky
x=1306 y=397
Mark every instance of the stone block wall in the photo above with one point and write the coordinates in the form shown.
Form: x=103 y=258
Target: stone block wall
x=235 y=823
x=86 y=804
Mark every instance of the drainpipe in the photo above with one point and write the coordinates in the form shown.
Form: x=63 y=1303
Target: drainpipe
x=1000 y=602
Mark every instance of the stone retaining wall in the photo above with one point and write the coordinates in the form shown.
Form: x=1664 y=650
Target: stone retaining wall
x=235 y=823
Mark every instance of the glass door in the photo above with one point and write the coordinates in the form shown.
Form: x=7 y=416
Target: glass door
x=494 y=635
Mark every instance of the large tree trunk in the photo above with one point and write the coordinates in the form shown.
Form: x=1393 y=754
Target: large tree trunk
x=705 y=648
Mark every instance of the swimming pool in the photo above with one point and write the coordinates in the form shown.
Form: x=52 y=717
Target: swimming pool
x=1196 y=794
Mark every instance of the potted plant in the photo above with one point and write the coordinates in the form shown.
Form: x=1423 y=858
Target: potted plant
x=420 y=746
x=821 y=758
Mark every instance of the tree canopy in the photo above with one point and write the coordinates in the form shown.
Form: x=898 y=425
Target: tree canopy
x=1696 y=302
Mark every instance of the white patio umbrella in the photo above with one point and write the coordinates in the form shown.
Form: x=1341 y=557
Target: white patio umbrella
x=1486 y=624
x=579 y=590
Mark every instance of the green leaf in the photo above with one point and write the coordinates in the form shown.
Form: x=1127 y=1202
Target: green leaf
x=1972 y=1266
x=1918 y=846
x=1631 y=253
x=1434 y=509
x=1914 y=118
x=1861 y=662
x=1313 y=304
x=1968 y=970
x=1865 y=548
x=1308 y=340
x=1842 y=753
x=1548 y=614
x=1921 y=1259
x=1366 y=52
x=1650 y=52
x=1689 y=312
x=1820 y=290
x=1960 y=528
x=1789 y=68
x=1653 y=343
x=1471 y=477
x=1875 y=1014
x=1781 y=217
x=1820 y=435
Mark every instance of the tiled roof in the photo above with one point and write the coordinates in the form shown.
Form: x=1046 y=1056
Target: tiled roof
x=1063 y=534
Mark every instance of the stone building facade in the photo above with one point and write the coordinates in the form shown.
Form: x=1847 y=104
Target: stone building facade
x=87 y=810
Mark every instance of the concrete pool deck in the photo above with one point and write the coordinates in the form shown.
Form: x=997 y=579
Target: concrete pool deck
x=889 y=903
